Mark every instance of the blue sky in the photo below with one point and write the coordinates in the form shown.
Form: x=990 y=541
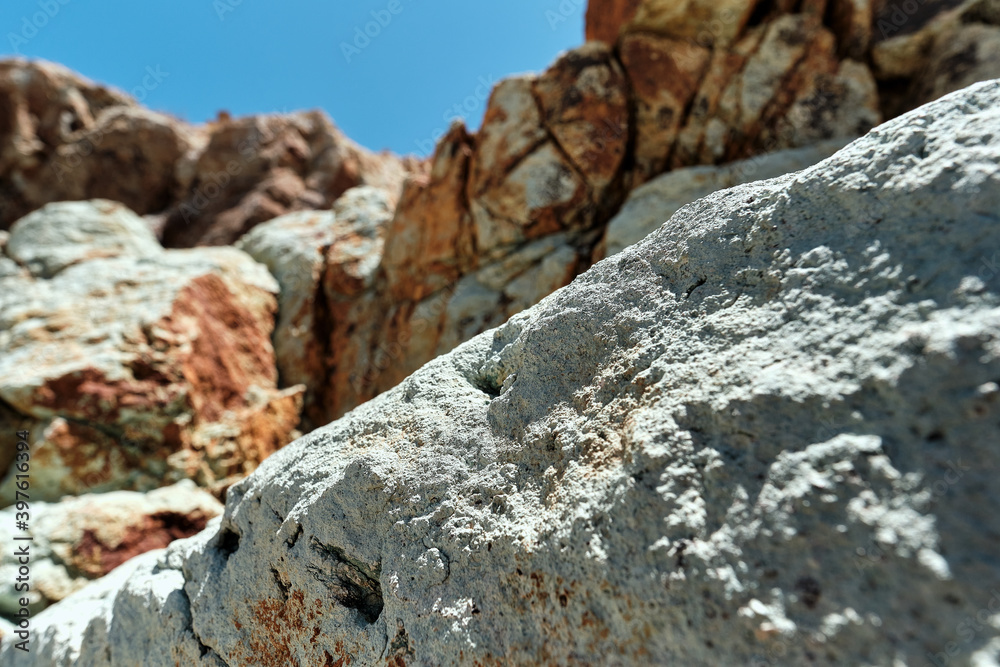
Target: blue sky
x=394 y=87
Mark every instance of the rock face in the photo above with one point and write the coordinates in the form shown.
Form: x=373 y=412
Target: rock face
x=763 y=435
x=84 y=538
x=131 y=365
x=505 y=216
x=918 y=50
x=66 y=138
x=322 y=261
x=495 y=220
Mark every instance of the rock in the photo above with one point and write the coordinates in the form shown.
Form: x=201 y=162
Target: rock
x=84 y=538
x=318 y=257
x=762 y=434
x=666 y=86
x=63 y=135
x=919 y=51
x=67 y=138
x=430 y=242
x=62 y=234
x=920 y=56
x=136 y=367
x=665 y=75
x=652 y=204
x=257 y=168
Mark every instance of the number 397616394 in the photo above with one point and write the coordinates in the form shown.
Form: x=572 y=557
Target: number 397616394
x=22 y=465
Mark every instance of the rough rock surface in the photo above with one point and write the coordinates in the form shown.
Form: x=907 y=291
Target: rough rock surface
x=84 y=538
x=134 y=366
x=653 y=203
x=65 y=138
x=763 y=435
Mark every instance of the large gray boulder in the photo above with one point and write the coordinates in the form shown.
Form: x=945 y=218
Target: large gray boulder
x=766 y=434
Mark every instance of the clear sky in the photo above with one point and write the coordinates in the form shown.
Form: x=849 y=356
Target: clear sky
x=394 y=87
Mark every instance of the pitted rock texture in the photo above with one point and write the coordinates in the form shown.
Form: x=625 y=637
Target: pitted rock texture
x=766 y=434
x=66 y=138
x=134 y=366
x=81 y=539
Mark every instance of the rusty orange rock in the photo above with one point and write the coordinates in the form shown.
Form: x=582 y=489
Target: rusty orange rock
x=67 y=138
x=142 y=366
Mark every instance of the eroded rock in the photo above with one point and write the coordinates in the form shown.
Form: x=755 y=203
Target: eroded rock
x=136 y=366
x=763 y=434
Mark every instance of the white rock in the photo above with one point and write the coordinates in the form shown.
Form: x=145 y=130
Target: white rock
x=65 y=233
x=740 y=441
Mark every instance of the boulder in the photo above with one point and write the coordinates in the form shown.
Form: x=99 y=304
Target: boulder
x=257 y=168
x=132 y=366
x=81 y=539
x=63 y=234
x=762 y=435
x=65 y=137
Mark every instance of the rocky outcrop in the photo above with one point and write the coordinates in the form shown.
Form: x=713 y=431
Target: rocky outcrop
x=81 y=539
x=66 y=138
x=134 y=366
x=918 y=51
x=495 y=220
x=507 y=215
x=763 y=435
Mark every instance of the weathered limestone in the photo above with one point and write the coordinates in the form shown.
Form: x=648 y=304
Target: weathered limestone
x=763 y=435
x=132 y=366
